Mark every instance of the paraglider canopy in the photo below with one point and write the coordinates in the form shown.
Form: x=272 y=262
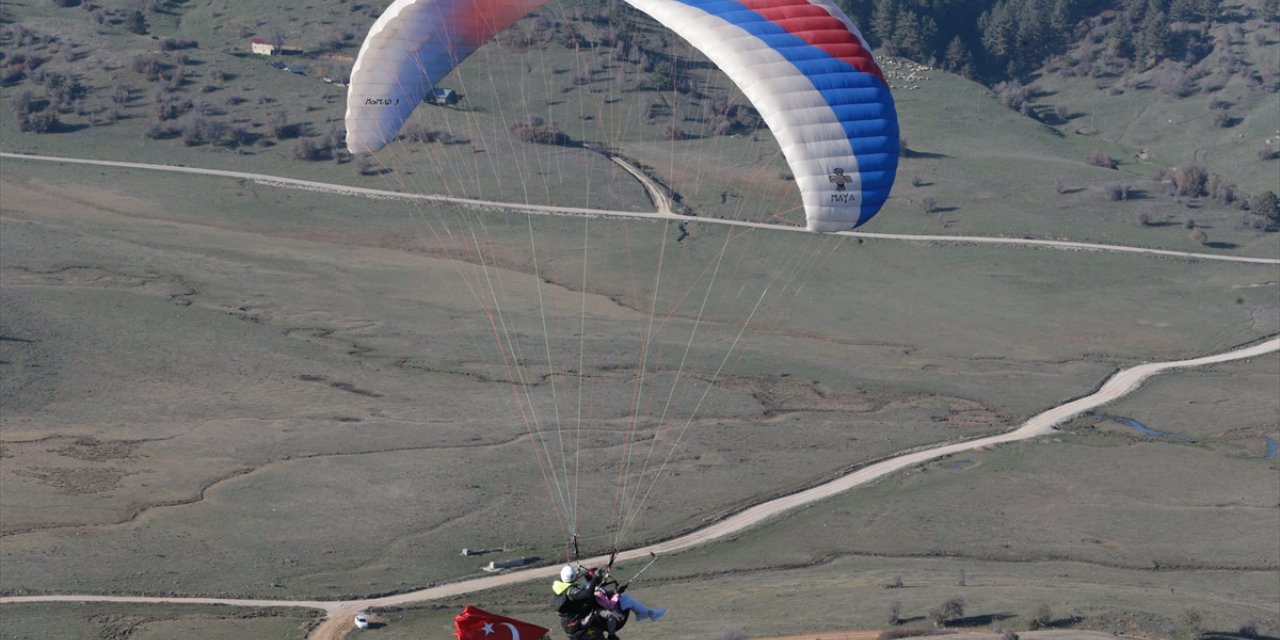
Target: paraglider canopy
x=801 y=63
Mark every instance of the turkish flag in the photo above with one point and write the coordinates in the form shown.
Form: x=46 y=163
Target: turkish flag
x=478 y=624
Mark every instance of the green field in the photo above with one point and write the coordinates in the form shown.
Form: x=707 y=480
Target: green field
x=212 y=386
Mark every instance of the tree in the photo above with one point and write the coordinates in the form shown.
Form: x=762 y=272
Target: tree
x=883 y=21
x=1041 y=616
x=307 y=151
x=957 y=57
x=1199 y=236
x=1156 y=40
x=1190 y=180
x=1102 y=159
x=136 y=22
x=275 y=35
x=913 y=34
x=895 y=612
x=1267 y=205
x=666 y=77
x=951 y=609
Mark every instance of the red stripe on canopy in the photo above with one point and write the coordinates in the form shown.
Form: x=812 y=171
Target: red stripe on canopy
x=816 y=26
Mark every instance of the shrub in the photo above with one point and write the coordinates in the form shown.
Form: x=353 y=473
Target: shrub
x=1116 y=191
x=537 y=131
x=893 y=634
x=307 y=150
x=40 y=121
x=1190 y=180
x=1102 y=159
x=279 y=127
x=1267 y=205
x=157 y=130
x=416 y=132
x=121 y=94
x=24 y=102
x=676 y=133
x=1191 y=617
x=1013 y=94
x=148 y=65
x=136 y=22
x=176 y=44
x=1176 y=81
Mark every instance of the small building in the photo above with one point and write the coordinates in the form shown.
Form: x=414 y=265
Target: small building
x=263 y=47
x=499 y=565
x=440 y=95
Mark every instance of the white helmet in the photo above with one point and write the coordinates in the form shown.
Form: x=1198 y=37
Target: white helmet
x=568 y=574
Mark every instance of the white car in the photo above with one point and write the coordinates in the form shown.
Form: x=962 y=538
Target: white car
x=362 y=621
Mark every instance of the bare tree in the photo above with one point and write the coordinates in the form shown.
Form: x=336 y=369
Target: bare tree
x=1102 y=159
x=895 y=612
x=950 y=610
x=275 y=35
x=1190 y=180
x=1041 y=616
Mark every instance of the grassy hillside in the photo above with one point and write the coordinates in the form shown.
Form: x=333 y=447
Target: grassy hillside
x=976 y=167
x=214 y=386
x=1222 y=112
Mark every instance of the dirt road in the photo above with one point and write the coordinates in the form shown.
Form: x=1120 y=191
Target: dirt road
x=340 y=614
x=662 y=203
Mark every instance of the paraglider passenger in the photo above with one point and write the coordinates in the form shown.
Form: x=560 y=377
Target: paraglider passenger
x=616 y=602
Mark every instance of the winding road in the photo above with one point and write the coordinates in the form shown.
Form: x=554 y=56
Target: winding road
x=339 y=614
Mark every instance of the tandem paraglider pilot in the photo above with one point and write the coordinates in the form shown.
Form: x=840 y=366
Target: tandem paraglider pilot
x=593 y=606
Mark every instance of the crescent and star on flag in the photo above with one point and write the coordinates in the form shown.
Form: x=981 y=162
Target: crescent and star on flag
x=487 y=629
